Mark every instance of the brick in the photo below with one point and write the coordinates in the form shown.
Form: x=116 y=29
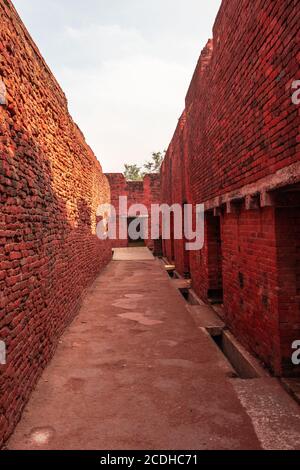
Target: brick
x=238 y=128
x=49 y=251
x=144 y=192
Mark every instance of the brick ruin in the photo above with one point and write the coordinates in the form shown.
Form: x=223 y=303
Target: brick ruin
x=236 y=149
x=50 y=187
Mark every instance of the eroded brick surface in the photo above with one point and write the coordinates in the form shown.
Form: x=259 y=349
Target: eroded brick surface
x=240 y=133
x=242 y=124
x=50 y=187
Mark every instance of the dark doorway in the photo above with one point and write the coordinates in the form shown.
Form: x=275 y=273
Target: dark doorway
x=140 y=228
x=287 y=219
x=186 y=254
x=215 y=268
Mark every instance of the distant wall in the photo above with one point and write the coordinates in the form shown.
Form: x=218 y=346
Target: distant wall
x=50 y=187
x=146 y=192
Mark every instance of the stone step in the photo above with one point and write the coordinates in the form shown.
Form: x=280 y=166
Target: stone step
x=205 y=317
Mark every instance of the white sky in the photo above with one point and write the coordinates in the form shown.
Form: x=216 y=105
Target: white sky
x=125 y=66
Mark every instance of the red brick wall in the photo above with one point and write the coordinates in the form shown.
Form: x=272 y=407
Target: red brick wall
x=250 y=281
x=50 y=187
x=118 y=187
x=146 y=192
x=240 y=130
x=241 y=122
x=152 y=196
x=175 y=190
x=166 y=195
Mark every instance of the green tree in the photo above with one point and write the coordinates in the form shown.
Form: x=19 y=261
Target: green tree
x=136 y=173
x=133 y=173
x=154 y=165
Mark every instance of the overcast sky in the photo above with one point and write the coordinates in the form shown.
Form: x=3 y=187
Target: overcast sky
x=125 y=66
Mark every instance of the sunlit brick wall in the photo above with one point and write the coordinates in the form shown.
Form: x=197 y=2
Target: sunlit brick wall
x=50 y=187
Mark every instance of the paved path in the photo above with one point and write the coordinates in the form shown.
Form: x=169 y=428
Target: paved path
x=132 y=254
x=134 y=372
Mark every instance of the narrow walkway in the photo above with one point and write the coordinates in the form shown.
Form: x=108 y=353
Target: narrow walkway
x=134 y=372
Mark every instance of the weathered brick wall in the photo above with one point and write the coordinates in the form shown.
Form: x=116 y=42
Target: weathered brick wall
x=240 y=116
x=250 y=281
x=151 y=185
x=240 y=139
x=135 y=192
x=175 y=190
x=118 y=187
x=146 y=193
x=50 y=187
x=166 y=196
